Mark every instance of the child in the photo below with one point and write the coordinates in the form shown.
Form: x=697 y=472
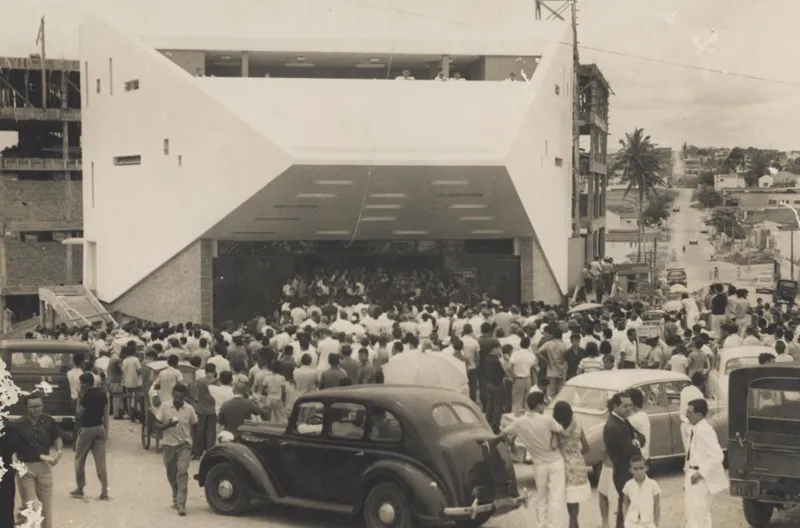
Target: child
x=642 y=505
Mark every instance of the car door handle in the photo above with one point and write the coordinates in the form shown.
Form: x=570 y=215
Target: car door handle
x=359 y=454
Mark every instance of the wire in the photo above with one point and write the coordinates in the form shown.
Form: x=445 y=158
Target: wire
x=580 y=46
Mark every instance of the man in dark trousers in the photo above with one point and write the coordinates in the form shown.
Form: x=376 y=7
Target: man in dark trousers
x=622 y=443
x=9 y=445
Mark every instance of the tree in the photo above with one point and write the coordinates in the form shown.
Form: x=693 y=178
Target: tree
x=658 y=209
x=706 y=178
x=707 y=197
x=725 y=221
x=734 y=160
x=759 y=166
x=640 y=172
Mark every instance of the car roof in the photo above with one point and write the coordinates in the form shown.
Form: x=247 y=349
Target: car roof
x=43 y=345
x=388 y=396
x=744 y=351
x=618 y=380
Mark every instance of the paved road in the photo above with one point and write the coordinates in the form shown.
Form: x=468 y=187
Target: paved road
x=685 y=226
x=141 y=498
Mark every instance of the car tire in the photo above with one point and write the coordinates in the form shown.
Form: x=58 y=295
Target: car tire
x=387 y=499
x=757 y=514
x=224 y=476
x=477 y=522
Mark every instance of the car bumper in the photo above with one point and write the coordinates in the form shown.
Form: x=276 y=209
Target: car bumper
x=764 y=290
x=497 y=507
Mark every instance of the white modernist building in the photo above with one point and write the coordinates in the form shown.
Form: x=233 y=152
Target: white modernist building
x=306 y=135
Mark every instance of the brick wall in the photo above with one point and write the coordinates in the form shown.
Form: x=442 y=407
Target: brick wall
x=57 y=204
x=178 y=291
x=39 y=263
x=536 y=279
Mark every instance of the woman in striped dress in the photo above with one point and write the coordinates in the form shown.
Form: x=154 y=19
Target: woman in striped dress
x=592 y=362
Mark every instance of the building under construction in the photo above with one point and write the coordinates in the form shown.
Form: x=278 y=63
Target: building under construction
x=40 y=181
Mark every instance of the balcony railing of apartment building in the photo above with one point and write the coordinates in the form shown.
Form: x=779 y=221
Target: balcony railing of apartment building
x=40 y=164
x=35 y=63
x=38 y=114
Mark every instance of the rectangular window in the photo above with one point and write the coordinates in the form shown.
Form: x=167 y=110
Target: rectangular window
x=545 y=148
x=97 y=82
x=166 y=146
x=180 y=160
x=86 y=76
x=132 y=85
x=92 y=183
x=558 y=90
x=559 y=162
x=110 y=77
x=127 y=160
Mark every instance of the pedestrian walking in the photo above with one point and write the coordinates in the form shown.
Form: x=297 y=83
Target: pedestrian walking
x=206 y=429
x=39 y=449
x=573 y=446
x=176 y=419
x=92 y=405
x=535 y=430
x=705 y=475
x=642 y=497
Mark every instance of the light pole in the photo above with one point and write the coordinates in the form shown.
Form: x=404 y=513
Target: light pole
x=791 y=234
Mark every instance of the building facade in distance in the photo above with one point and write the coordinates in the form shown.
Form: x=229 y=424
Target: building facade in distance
x=41 y=195
x=213 y=153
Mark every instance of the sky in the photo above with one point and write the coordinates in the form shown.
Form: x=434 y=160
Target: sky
x=755 y=104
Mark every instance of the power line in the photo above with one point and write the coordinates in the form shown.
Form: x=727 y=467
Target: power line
x=580 y=46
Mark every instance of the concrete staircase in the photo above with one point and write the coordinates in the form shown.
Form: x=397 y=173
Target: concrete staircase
x=73 y=305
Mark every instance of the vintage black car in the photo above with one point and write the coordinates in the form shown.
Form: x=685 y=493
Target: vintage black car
x=398 y=456
x=763 y=446
x=32 y=362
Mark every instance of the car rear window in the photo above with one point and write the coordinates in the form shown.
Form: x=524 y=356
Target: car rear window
x=45 y=361
x=774 y=404
x=447 y=415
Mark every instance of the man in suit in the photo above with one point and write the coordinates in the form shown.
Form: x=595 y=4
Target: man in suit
x=622 y=443
x=705 y=475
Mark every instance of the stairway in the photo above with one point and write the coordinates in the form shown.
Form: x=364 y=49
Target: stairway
x=75 y=306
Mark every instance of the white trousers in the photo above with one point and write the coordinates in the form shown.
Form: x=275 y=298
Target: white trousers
x=696 y=503
x=551 y=506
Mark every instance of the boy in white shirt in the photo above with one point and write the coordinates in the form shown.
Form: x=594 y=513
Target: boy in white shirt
x=642 y=503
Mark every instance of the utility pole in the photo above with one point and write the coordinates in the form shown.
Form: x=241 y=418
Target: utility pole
x=40 y=40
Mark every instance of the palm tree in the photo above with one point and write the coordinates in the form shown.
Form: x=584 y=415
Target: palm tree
x=641 y=172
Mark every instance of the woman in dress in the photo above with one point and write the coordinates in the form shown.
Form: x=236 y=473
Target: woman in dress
x=573 y=446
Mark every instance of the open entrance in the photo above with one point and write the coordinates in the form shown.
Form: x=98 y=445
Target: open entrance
x=250 y=277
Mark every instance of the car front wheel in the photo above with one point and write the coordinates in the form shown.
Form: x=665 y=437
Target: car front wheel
x=226 y=492
x=757 y=514
x=387 y=506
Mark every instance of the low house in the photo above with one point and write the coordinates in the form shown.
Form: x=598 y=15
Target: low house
x=784 y=179
x=766 y=181
x=621 y=219
x=729 y=181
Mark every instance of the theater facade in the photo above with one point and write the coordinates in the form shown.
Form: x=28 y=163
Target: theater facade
x=217 y=167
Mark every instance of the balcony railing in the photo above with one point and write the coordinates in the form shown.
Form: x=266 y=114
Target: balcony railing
x=38 y=114
x=40 y=164
x=35 y=63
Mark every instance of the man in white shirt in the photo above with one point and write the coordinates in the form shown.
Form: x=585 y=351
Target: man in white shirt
x=705 y=475
x=640 y=420
x=535 y=430
x=730 y=336
x=690 y=393
x=629 y=351
x=325 y=347
x=522 y=361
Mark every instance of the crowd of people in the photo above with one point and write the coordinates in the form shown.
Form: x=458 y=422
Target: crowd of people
x=327 y=334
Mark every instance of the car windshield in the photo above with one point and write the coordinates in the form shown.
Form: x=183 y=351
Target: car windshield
x=676 y=274
x=584 y=399
x=40 y=361
x=737 y=363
